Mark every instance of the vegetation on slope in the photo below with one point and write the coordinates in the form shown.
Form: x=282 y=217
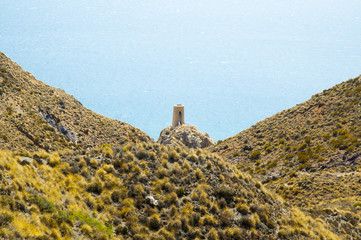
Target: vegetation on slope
x=310 y=154
x=141 y=191
x=149 y=191
x=36 y=116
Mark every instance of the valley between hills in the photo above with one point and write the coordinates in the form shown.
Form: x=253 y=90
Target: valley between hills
x=67 y=172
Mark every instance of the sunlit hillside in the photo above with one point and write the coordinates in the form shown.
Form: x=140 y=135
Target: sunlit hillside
x=141 y=191
x=36 y=116
x=310 y=155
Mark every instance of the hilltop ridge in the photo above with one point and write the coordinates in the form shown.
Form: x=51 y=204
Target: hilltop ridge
x=185 y=136
x=310 y=154
x=321 y=133
x=37 y=116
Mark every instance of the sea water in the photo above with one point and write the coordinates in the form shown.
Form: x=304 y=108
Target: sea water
x=231 y=63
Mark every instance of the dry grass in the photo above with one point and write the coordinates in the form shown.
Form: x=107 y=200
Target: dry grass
x=36 y=116
x=309 y=154
x=59 y=199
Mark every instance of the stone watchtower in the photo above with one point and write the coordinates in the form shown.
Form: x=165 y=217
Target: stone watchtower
x=178 y=115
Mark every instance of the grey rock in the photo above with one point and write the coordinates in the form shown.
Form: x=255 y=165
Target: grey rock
x=26 y=160
x=185 y=135
x=151 y=200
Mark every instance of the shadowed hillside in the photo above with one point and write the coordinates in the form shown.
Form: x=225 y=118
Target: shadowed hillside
x=141 y=191
x=36 y=116
x=310 y=154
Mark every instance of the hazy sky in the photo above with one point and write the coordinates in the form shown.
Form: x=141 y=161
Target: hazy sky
x=232 y=63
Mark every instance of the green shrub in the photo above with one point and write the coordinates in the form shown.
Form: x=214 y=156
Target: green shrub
x=107 y=150
x=198 y=174
x=142 y=154
x=86 y=230
x=268 y=149
x=225 y=192
x=5 y=219
x=154 y=222
x=209 y=220
x=272 y=164
x=327 y=136
x=213 y=235
x=339 y=132
x=171 y=198
x=95 y=187
x=235 y=153
x=116 y=196
x=129 y=156
x=9 y=109
x=350 y=149
x=247 y=221
x=302 y=157
x=339 y=143
x=4 y=137
x=70 y=216
x=49 y=221
x=195 y=219
x=173 y=156
x=180 y=192
x=43 y=204
x=54 y=160
x=302 y=146
x=255 y=155
x=243 y=209
x=193 y=157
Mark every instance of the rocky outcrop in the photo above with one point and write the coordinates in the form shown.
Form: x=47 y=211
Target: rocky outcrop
x=54 y=122
x=184 y=135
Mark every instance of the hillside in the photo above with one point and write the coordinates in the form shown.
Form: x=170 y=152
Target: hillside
x=60 y=177
x=36 y=116
x=141 y=191
x=310 y=154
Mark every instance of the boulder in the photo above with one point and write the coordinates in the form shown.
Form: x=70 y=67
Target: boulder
x=26 y=160
x=185 y=135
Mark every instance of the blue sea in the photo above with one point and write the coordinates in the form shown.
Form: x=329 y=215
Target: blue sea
x=231 y=63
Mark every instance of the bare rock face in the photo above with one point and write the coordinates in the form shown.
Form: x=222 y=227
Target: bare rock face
x=184 y=135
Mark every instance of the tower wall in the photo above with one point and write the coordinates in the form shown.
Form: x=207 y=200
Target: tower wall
x=178 y=115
